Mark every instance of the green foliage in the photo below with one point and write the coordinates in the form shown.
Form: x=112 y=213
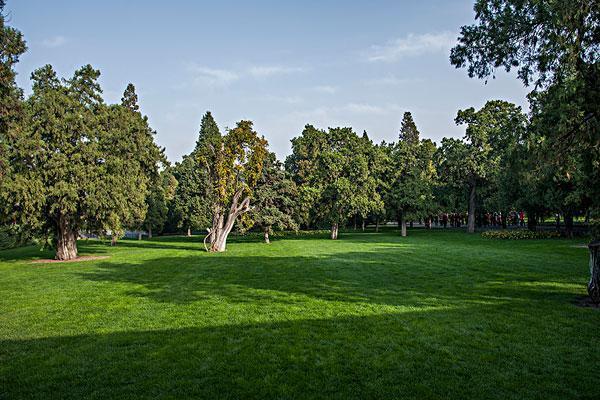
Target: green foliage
x=519 y=234
x=160 y=194
x=12 y=46
x=553 y=44
x=273 y=202
x=333 y=170
x=411 y=175
x=77 y=163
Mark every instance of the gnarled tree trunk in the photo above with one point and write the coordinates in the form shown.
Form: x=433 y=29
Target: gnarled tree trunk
x=594 y=283
x=223 y=224
x=66 y=241
x=334 y=231
x=471 y=217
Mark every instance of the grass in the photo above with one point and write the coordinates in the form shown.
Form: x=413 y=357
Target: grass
x=434 y=315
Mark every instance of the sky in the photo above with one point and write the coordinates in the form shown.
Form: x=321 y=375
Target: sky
x=280 y=64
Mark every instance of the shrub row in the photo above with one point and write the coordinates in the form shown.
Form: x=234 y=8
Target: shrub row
x=519 y=234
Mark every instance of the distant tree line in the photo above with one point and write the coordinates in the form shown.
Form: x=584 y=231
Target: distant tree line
x=71 y=164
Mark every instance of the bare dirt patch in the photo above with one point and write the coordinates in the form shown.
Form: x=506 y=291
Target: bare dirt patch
x=83 y=258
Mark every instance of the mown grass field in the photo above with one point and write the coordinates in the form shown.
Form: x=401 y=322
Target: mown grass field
x=434 y=315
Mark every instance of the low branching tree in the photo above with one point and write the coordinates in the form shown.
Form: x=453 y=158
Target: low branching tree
x=233 y=165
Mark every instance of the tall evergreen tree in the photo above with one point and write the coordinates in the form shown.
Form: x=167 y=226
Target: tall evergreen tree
x=12 y=47
x=192 y=196
x=130 y=98
x=410 y=192
x=409 y=133
x=78 y=164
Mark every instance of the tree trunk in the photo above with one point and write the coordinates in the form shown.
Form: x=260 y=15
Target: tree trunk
x=189 y=232
x=355 y=222
x=222 y=226
x=66 y=246
x=149 y=232
x=266 y=234
x=334 y=231
x=471 y=217
x=569 y=223
x=139 y=235
x=402 y=224
x=531 y=221
x=363 y=224
x=594 y=284
x=377 y=224
x=411 y=223
x=113 y=239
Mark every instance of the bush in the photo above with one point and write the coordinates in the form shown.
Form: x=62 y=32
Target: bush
x=520 y=234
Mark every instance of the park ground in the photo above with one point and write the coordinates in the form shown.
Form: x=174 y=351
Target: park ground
x=438 y=314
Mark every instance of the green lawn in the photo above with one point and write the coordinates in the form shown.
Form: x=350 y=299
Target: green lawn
x=435 y=315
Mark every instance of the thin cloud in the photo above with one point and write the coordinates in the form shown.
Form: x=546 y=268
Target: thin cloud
x=54 y=41
x=279 y=99
x=325 y=89
x=412 y=45
x=212 y=76
x=392 y=80
x=265 y=71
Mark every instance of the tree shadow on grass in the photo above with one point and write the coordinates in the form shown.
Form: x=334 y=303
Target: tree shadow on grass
x=388 y=275
x=414 y=355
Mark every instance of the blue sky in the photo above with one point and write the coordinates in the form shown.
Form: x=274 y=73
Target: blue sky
x=281 y=64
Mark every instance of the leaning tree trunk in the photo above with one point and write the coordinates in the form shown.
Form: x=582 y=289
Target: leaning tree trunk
x=266 y=235
x=594 y=284
x=402 y=221
x=334 y=231
x=66 y=243
x=222 y=224
x=471 y=217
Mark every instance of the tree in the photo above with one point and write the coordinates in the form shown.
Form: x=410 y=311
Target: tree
x=11 y=96
x=78 y=164
x=477 y=161
x=409 y=133
x=157 y=201
x=233 y=165
x=333 y=167
x=193 y=197
x=553 y=45
x=410 y=192
x=273 y=202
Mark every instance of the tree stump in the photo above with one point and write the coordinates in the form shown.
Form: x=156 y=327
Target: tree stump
x=594 y=284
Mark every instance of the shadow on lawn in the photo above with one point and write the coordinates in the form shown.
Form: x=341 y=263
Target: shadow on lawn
x=420 y=354
x=388 y=275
